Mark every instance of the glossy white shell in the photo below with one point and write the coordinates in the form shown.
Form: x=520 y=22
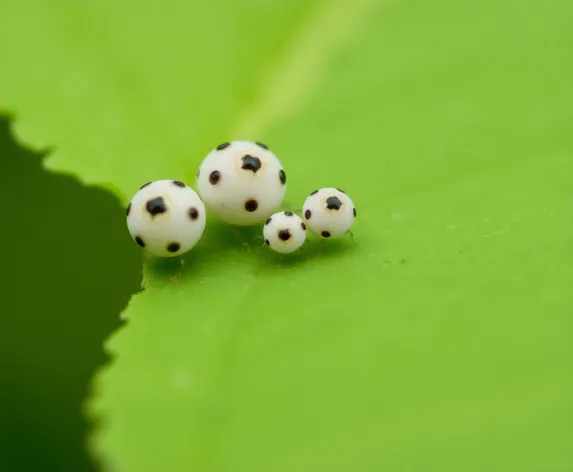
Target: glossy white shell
x=227 y=196
x=329 y=222
x=291 y=225
x=178 y=224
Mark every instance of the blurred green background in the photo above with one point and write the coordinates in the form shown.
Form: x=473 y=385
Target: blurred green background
x=440 y=340
x=68 y=270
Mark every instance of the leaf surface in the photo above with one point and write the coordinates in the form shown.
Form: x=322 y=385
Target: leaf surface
x=439 y=338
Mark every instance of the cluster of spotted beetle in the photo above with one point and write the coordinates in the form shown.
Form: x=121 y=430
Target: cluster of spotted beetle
x=242 y=183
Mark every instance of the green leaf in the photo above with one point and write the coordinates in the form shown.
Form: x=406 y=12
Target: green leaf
x=439 y=338
x=130 y=91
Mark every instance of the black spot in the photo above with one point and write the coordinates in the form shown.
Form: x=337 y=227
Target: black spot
x=282 y=176
x=128 y=209
x=144 y=185
x=288 y=213
x=333 y=203
x=325 y=234
x=198 y=173
x=314 y=193
x=193 y=213
x=303 y=225
x=267 y=242
x=173 y=247
x=178 y=183
x=354 y=212
x=264 y=146
x=251 y=163
x=139 y=241
x=284 y=234
x=156 y=206
x=341 y=191
x=307 y=214
x=268 y=221
x=214 y=177
x=251 y=205
x=220 y=147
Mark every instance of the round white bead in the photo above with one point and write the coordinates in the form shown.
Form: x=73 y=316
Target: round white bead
x=166 y=218
x=329 y=212
x=284 y=232
x=241 y=182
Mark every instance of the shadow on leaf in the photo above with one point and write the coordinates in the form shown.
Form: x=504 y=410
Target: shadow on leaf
x=223 y=243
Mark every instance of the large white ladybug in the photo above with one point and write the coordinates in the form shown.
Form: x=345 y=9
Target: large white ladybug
x=329 y=212
x=242 y=182
x=166 y=218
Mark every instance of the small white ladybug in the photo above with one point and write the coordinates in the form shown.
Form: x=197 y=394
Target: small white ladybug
x=284 y=232
x=329 y=212
x=242 y=182
x=166 y=218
